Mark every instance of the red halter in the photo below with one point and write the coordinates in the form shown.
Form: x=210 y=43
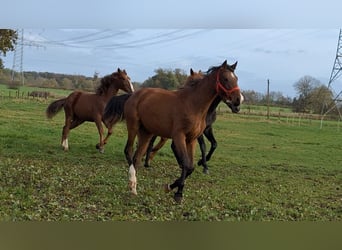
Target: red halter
x=220 y=86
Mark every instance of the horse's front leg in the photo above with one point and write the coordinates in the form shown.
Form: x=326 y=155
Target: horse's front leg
x=184 y=155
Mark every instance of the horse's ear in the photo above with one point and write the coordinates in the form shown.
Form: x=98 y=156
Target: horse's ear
x=234 y=65
x=191 y=72
x=224 y=64
x=119 y=70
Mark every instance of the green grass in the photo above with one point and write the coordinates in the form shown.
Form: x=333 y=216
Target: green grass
x=262 y=170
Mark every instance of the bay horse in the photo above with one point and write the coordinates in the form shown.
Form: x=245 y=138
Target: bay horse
x=114 y=109
x=80 y=106
x=179 y=115
x=208 y=131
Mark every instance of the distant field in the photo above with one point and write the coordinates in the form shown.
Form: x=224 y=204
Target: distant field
x=263 y=170
x=24 y=90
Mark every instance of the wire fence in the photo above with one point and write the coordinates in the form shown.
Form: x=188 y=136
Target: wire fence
x=279 y=114
x=17 y=94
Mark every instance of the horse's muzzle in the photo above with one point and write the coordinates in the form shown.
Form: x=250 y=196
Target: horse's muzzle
x=234 y=108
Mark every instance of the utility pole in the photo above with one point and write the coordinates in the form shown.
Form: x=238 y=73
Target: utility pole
x=268 y=98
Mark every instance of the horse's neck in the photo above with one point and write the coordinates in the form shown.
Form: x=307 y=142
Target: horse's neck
x=204 y=94
x=110 y=93
x=214 y=104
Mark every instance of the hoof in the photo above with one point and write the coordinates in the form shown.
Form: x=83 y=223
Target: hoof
x=146 y=166
x=200 y=162
x=205 y=171
x=178 y=198
x=167 y=188
x=101 y=150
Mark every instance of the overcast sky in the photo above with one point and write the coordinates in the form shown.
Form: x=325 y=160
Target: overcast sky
x=277 y=40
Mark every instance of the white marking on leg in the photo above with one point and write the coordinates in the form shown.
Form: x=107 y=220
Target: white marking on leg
x=65 y=144
x=132 y=179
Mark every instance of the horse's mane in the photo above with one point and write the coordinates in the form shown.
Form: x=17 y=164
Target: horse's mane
x=215 y=68
x=104 y=85
x=191 y=83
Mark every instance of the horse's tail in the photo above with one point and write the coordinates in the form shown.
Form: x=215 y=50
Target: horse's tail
x=55 y=107
x=114 y=110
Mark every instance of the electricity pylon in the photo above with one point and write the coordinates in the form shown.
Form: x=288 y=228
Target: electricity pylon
x=335 y=74
x=18 y=58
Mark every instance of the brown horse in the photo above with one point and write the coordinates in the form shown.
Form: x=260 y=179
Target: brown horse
x=179 y=115
x=81 y=106
x=192 y=79
x=114 y=109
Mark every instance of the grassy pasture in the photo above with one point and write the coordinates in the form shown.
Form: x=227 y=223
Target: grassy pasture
x=262 y=170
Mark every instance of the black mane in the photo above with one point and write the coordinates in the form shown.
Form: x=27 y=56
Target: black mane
x=215 y=68
x=104 y=85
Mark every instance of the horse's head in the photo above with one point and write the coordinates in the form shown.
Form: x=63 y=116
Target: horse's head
x=227 y=86
x=124 y=80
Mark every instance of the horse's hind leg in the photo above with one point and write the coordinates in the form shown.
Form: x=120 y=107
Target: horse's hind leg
x=210 y=136
x=66 y=129
x=69 y=124
x=109 y=126
x=144 y=139
x=99 y=126
x=132 y=129
x=203 y=160
x=149 y=151
x=155 y=149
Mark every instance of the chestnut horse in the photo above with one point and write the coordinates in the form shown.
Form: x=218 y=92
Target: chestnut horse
x=179 y=115
x=81 y=106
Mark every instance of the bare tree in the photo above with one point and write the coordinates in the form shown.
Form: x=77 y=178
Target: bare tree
x=312 y=94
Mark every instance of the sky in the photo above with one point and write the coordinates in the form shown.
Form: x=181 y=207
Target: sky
x=277 y=40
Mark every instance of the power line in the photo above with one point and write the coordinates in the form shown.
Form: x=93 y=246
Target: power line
x=164 y=37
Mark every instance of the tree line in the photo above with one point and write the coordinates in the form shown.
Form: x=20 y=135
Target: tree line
x=311 y=93
x=49 y=80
